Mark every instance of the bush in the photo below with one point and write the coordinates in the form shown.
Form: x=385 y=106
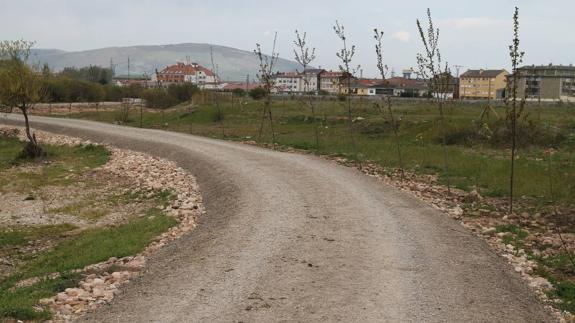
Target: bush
x=498 y=134
x=182 y=92
x=258 y=93
x=158 y=98
x=239 y=92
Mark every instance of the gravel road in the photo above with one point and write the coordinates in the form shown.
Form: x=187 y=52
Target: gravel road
x=294 y=238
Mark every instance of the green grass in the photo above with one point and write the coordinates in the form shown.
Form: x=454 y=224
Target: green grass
x=62 y=166
x=89 y=247
x=476 y=159
x=58 y=168
x=18 y=235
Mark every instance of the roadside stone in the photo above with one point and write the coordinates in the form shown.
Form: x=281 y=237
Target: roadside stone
x=489 y=231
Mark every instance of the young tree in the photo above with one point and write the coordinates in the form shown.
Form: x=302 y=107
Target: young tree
x=265 y=76
x=219 y=107
x=304 y=56
x=432 y=68
x=512 y=115
x=346 y=54
x=21 y=86
x=378 y=36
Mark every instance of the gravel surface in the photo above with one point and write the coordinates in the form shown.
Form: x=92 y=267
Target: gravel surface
x=290 y=237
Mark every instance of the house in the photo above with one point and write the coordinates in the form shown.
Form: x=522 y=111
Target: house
x=288 y=82
x=483 y=84
x=333 y=82
x=548 y=83
x=311 y=80
x=126 y=80
x=187 y=73
x=361 y=87
x=406 y=87
x=295 y=82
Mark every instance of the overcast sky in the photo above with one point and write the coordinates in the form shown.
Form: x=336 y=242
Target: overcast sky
x=474 y=34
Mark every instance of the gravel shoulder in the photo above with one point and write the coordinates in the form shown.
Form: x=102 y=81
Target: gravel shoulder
x=289 y=237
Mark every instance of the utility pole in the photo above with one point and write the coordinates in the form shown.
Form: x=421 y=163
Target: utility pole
x=128 y=70
x=457 y=67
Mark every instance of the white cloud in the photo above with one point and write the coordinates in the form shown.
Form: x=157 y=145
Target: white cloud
x=402 y=35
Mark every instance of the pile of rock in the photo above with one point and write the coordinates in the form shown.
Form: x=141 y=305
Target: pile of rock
x=98 y=287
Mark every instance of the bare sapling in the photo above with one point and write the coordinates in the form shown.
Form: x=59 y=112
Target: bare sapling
x=265 y=75
x=432 y=68
x=346 y=54
x=386 y=99
x=216 y=100
x=21 y=87
x=305 y=56
x=512 y=112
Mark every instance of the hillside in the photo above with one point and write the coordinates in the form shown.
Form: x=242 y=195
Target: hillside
x=233 y=64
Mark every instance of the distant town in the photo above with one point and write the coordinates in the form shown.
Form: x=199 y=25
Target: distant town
x=543 y=82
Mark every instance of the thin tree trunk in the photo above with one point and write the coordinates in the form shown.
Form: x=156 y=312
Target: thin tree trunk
x=396 y=135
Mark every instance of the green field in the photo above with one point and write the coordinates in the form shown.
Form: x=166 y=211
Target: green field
x=478 y=149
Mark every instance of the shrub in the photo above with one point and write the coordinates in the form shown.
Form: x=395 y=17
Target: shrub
x=258 y=93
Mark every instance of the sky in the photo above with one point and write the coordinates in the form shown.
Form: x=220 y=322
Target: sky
x=473 y=34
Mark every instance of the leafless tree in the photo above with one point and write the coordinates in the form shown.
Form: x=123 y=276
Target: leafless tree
x=386 y=99
x=305 y=56
x=20 y=86
x=219 y=107
x=516 y=58
x=346 y=54
x=265 y=75
x=432 y=68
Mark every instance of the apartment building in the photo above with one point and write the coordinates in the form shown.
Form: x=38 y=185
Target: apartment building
x=483 y=84
x=187 y=73
x=547 y=83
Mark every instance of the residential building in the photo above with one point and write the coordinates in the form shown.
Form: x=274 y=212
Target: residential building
x=547 y=83
x=288 y=82
x=362 y=87
x=405 y=87
x=333 y=82
x=483 y=84
x=311 y=80
x=187 y=73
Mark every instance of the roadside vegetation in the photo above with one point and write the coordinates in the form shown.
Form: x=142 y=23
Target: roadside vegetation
x=53 y=253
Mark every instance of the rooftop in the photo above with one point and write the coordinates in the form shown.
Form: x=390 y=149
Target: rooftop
x=482 y=73
x=186 y=69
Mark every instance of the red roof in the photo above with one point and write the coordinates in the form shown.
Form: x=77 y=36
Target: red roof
x=405 y=82
x=186 y=69
x=331 y=74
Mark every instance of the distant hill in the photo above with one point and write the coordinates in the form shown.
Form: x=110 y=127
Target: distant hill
x=233 y=64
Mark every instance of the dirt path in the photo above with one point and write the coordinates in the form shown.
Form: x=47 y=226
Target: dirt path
x=290 y=237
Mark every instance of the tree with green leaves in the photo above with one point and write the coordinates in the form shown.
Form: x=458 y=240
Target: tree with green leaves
x=21 y=86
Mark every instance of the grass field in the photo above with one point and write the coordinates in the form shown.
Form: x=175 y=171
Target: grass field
x=478 y=149
x=73 y=249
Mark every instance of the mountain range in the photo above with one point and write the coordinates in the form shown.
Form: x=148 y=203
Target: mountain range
x=232 y=64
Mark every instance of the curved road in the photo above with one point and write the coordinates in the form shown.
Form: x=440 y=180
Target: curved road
x=295 y=238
